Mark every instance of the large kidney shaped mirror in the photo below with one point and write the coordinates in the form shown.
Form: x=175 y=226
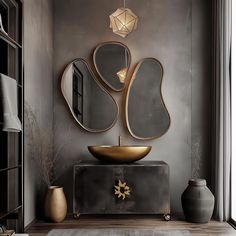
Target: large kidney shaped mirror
x=146 y=113
x=90 y=104
x=112 y=61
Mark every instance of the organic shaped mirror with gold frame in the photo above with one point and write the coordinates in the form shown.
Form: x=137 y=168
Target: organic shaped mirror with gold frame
x=146 y=113
x=112 y=61
x=90 y=104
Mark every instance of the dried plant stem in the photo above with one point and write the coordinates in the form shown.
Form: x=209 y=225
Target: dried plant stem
x=40 y=146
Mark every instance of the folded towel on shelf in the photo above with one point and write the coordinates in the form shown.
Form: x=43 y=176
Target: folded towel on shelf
x=8 y=90
x=1 y=25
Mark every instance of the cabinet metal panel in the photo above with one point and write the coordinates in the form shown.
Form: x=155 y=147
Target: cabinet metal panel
x=148 y=182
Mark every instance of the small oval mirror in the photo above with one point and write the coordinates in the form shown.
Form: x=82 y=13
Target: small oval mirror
x=112 y=61
x=90 y=104
x=146 y=113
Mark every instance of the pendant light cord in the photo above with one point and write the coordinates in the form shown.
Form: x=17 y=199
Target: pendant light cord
x=124 y=3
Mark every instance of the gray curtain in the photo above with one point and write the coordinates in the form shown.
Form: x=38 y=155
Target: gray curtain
x=221 y=108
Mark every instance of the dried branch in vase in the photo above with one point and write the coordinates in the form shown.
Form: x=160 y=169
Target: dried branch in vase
x=40 y=147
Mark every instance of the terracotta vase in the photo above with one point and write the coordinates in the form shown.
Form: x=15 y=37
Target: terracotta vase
x=55 y=204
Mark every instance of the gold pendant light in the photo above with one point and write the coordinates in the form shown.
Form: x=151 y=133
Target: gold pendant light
x=123 y=21
x=122 y=75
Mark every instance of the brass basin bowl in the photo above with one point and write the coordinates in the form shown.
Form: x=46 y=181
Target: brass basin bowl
x=119 y=154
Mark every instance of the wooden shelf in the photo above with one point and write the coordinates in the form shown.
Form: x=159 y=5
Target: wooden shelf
x=10 y=168
x=11 y=144
x=9 y=40
x=7 y=214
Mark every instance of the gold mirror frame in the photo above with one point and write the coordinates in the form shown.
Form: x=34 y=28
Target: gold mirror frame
x=95 y=65
x=127 y=100
x=100 y=86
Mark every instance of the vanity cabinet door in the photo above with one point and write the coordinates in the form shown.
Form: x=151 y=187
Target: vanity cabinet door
x=146 y=185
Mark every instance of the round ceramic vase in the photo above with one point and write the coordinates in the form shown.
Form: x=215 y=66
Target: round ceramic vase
x=197 y=202
x=55 y=204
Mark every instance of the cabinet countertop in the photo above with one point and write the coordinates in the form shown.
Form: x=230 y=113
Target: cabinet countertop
x=139 y=163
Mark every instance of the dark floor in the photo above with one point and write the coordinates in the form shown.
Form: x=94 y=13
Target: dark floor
x=41 y=228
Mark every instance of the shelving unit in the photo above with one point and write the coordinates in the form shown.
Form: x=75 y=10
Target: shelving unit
x=11 y=144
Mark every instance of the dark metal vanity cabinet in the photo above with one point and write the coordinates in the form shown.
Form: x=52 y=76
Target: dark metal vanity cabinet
x=147 y=183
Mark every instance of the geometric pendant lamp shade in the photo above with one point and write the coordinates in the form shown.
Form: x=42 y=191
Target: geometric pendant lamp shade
x=123 y=21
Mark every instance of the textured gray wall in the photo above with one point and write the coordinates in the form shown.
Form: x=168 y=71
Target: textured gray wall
x=172 y=31
x=38 y=55
x=201 y=88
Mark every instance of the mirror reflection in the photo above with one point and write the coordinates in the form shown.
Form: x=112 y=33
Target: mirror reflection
x=112 y=61
x=146 y=113
x=90 y=104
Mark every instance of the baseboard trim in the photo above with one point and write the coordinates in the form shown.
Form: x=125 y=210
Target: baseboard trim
x=30 y=224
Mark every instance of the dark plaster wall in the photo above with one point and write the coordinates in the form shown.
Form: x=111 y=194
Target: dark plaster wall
x=201 y=88
x=176 y=32
x=38 y=69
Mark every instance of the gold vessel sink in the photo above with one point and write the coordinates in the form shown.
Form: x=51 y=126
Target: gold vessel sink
x=120 y=153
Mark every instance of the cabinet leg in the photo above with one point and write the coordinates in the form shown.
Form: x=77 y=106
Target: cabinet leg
x=166 y=217
x=76 y=215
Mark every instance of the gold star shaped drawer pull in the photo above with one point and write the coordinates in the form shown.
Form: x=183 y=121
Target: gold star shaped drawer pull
x=122 y=190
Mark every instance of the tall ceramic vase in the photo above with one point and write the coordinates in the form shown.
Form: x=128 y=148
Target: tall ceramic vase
x=55 y=204
x=197 y=201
